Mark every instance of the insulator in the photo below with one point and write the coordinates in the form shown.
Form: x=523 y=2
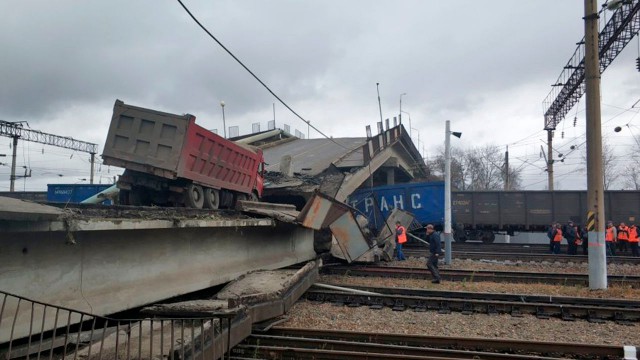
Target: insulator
x=562 y=135
x=638 y=63
x=575 y=121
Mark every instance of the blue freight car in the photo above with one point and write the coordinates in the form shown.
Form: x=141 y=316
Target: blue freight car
x=478 y=215
x=424 y=200
x=74 y=193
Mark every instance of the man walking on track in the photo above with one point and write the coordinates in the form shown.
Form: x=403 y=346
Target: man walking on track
x=401 y=238
x=435 y=250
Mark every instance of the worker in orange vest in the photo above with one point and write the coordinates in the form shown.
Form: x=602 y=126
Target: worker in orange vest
x=557 y=238
x=401 y=238
x=610 y=237
x=633 y=240
x=623 y=237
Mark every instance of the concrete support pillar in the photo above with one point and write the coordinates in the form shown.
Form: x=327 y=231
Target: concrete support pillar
x=390 y=176
x=286 y=165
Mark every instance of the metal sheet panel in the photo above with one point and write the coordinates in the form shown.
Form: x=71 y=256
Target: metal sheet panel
x=567 y=206
x=145 y=140
x=623 y=206
x=539 y=208
x=349 y=236
x=320 y=212
x=462 y=207
x=213 y=161
x=513 y=209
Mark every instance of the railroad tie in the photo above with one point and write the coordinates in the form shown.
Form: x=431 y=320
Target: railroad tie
x=541 y=314
x=421 y=306
x=515 y=311
x=398 y=305
x=620 y=319
x=492 y=310
x=335 y=300
x=567 y=316
x=353 y=301
x=467 y=309
x=376 y=303
x=444 y=308
x=592 y=317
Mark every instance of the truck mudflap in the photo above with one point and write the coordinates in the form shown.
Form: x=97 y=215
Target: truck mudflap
x=350 y=242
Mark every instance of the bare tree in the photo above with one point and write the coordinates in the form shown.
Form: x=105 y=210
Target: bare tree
x=632 y=178
x=610 y=169
x=478 y=168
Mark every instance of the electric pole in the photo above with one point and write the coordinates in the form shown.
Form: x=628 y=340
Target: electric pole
x=550 y=158
x=595 y=186
x=506 y=170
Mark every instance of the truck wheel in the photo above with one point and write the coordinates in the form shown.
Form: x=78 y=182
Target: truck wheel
x=254 y=197
x=194 y=196
x=488 y=237
x=211 y=199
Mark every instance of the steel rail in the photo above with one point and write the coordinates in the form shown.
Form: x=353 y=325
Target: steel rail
x=523 y=298
x=478 y=275
x=535 y=257
x=461 y=343
x=479 y=305
x=494 y=247
x=267 y=344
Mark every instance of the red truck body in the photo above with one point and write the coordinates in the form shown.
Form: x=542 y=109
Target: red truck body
x=168 y=155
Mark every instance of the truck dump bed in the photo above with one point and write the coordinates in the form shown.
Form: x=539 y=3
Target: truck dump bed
x=174 y=147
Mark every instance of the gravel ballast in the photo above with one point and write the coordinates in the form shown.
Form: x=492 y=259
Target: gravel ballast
x=306 y=314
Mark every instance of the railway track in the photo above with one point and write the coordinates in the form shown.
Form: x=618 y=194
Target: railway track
x=479 y=275
x=495 y=247
x=524 y=257
x=293 y=343
x=544 y=307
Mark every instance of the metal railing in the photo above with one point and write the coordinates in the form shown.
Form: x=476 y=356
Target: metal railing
x=35 y=330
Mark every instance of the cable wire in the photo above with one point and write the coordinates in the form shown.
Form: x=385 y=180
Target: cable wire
x=256 y=77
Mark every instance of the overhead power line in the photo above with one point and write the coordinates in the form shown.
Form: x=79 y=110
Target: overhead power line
x=570 y=85
x=256 y=77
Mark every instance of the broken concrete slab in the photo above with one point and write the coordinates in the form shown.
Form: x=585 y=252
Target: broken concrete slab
x=191 y=308
x=20 y=210
x=282 y=212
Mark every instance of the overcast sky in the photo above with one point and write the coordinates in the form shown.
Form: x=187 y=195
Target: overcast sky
x=485 y=65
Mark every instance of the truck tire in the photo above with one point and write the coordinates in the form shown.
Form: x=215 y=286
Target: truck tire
x=254 y=197
x=194 y=196
x=211 y=198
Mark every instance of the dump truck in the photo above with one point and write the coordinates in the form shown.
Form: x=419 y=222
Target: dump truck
x=169 y=160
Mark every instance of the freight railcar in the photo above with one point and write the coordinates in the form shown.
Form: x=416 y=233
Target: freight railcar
x=480 y=214
x=170 y=160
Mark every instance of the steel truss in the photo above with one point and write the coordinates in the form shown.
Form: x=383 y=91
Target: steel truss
x=567 y=90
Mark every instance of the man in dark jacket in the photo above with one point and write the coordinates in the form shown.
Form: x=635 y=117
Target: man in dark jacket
x=569 y=233
x=435 y=250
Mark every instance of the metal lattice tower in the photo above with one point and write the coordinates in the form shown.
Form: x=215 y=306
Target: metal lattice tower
x=15 y=130
x=567 y=90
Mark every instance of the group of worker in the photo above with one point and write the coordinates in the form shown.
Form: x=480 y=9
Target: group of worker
x=435 y=248
x=618 y=238
x=621 y=238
